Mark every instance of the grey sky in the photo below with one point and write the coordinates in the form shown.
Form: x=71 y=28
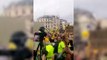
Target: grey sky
x=4 y=3
x=62 y=8
x=97 y=7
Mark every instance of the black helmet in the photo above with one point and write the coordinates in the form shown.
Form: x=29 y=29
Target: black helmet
x=41 y=29
x=19 y=38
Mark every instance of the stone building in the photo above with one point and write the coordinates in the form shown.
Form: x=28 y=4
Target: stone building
x=84 y=19
x=52 y=22
x=16 y=17
x=102 y=23
x=10 y=25
x=22 y=8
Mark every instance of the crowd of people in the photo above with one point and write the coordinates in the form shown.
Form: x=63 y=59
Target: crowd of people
x=54 y=46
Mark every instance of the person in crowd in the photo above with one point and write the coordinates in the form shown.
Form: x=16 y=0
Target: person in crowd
x=63 y=50
x=18 y=48
x=48 y=51
x=41 y=35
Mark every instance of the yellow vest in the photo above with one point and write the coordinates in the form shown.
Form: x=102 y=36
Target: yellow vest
x=29 y=44
x=53 y=37
x=61 y=46
x=12 y=46
x=46 y=39
x=50 y=50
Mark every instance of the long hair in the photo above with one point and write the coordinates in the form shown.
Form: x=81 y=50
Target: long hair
x=64 y=38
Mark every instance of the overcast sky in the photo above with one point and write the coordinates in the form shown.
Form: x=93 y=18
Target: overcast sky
x=62 y=8
x=97 y=7
x=4 y=3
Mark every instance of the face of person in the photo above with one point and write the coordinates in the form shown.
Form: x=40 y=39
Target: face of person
x=71 y=36
x=59 y=38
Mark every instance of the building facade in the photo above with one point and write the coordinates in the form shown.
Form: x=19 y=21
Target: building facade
x=63 y=24
x=84 y=19
x=103 y=23
x=52 y=22
x=21 y=10
x=9 y=25
x=17 y=10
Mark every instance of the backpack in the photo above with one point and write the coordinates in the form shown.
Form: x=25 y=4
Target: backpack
x=56 y=47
